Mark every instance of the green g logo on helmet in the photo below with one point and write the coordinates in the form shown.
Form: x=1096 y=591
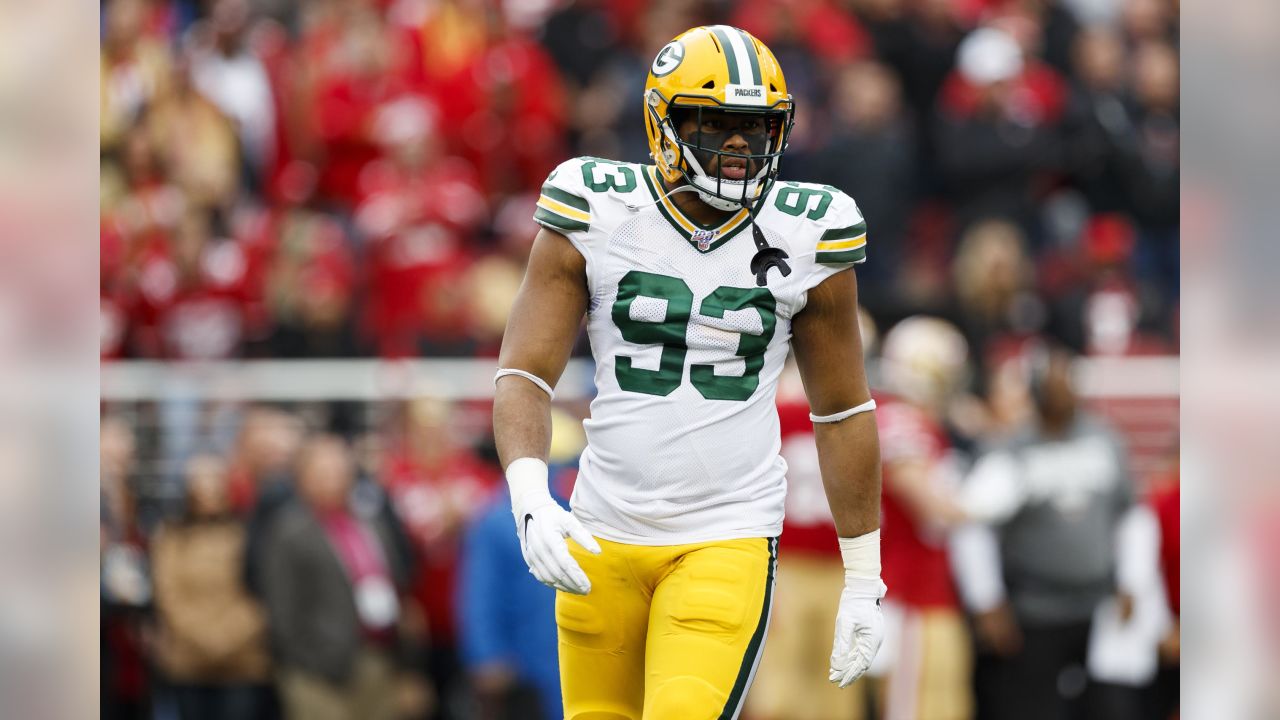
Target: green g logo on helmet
x=669 y=58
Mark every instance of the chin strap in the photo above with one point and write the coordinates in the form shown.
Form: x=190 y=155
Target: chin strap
x=766 y=257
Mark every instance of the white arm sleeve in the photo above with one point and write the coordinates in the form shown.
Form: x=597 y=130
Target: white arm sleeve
x=1137 y=550
x=975 y=562
x=992 y=493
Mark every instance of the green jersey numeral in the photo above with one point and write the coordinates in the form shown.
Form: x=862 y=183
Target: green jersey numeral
x=669 y=332
x=616 y=176
x=751 y=347
x=796 y=200
x=672 y=332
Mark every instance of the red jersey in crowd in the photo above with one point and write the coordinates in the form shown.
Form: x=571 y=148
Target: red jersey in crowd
x=435 y=503
x=199 y=312
x=1037 y=97
x=418 y=226
x=914 y=557
x=1166 y=502
x=113 y=298
x=808 y=526
x=360 y=68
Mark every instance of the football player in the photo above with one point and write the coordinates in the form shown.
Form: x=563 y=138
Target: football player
x=696 y=274
x=927 y=655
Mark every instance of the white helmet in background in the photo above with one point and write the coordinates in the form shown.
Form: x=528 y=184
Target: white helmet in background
x=925 y=360
x=868 y=332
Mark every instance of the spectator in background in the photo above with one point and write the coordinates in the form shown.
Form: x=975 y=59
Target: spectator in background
x=135 y=69
x=308 y=285
x=506 y=618
x=491 y=286
x=261 y=479
x=1097 y=302
x=929 y=660
x=420 y=218
x=1099 y=118
x=356 y=61
x=1044 y=557
x=1152 y=162
x=332 y=580
x=871 y=155
x=580 y=39
x=225 y=69
x=194 y=298
x=1053 y=27
x=997 y=129
x=994 y=286
x=516 y=133
x=437 y=487
x=212 y=635
x=1150 y=19
x=125 y=579
x=199 y=143
x=918 y=40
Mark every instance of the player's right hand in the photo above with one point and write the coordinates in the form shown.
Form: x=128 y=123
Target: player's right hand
x=543 y=526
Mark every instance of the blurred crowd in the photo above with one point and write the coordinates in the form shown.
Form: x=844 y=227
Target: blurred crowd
x=338 y=560
x=301 y=566
x=341 y=178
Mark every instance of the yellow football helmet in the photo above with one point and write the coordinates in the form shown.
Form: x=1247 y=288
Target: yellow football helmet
x=726 y=69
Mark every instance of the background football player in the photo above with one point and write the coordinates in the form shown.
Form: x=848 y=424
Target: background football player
x=696 y=274
x=927 y=648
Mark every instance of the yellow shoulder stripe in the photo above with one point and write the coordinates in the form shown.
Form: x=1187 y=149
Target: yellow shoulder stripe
x=843 y=244
x=560 y=208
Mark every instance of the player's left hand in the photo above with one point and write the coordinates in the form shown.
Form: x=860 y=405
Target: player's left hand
x=859 y=629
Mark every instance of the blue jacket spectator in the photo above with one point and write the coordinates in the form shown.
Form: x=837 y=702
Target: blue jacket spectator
x=507 y=619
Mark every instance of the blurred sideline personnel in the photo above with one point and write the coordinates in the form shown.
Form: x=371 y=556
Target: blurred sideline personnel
x=1048 y=552
x=927 y=652
x=697 y=274
x=803 y=609
x=212 y=639
x=332 y=583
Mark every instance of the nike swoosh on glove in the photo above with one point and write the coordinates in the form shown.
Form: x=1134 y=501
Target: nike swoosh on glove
x=859 y=629
x=543 y=526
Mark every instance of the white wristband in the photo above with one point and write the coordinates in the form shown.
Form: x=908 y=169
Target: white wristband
x=844 y=414
x=862 y=555
x=527 y=376
x=527 y=475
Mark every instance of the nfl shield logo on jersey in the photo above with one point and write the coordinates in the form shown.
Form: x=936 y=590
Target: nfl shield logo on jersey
x=703 y=238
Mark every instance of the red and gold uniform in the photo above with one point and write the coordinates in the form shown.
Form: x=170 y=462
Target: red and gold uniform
x=927 y=647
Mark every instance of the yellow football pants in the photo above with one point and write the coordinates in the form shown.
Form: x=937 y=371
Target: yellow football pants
x=666 y=633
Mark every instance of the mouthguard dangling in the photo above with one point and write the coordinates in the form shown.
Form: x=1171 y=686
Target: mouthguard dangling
x=766 y=257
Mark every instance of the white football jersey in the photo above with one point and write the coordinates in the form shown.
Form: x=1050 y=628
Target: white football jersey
x=682 y=442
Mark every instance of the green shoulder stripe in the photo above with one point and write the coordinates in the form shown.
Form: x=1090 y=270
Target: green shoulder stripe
x=566 y=197
x=856 y=255
x=846 y=233
x=555 y=221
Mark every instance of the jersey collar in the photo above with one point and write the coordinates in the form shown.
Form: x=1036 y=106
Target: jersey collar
x=704 y=238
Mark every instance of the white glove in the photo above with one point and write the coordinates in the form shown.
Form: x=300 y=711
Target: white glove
x=543 y=525
x=859 y=621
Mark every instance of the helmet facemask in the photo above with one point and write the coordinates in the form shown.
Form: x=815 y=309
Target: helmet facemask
x=692 y=157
